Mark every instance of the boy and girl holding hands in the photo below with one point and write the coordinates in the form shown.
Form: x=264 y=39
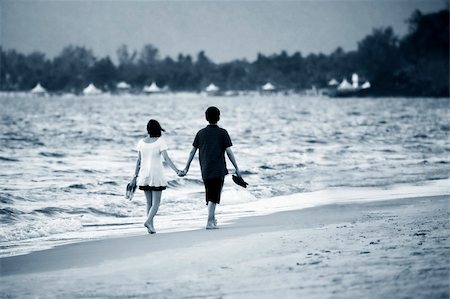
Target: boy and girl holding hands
x=212 y=142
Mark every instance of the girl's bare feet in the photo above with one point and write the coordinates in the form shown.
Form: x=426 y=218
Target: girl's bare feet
x=150 y=228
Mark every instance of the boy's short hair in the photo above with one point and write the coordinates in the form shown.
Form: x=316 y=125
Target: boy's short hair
x=154 y=128
x=212 y=114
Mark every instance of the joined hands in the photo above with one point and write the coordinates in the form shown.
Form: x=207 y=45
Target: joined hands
x=182 y=173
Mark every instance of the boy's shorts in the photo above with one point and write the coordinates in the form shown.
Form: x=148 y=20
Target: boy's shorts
x=213 y=189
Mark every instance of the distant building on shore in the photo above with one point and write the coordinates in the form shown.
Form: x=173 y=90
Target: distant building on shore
x=91 y=90
x=366 y=85
x=212 y=89
x=355 y=80
x=333 y=82
x=152 y=88
x=344 y=85
x=268 y=88
x=123 y=86
x=347 y=89
x=38 y=90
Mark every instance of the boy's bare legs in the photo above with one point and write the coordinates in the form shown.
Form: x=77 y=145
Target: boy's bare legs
x=211 y=216
x=156 y=200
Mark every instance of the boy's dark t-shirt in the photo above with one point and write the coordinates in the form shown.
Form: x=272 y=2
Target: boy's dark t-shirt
x=212 y=142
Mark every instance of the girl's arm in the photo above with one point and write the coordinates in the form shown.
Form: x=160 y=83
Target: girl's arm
x=138 y=166
x=169 y=161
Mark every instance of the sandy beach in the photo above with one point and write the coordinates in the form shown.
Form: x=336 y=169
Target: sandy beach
x=385 y=249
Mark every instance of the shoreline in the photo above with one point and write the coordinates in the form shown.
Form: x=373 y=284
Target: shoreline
x=247 y=207
x=385 y=246
x=250 y=93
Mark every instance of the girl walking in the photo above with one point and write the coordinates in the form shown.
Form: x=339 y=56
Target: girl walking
x=149 y=174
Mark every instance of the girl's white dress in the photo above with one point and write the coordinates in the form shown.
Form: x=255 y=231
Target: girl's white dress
x=151 y=172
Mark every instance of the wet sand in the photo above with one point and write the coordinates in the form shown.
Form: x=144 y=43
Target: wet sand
x=384 y=249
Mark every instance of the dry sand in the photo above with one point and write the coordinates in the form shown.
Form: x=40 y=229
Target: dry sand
x=385 y=249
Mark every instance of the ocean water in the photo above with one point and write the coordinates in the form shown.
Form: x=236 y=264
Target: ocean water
x=65 y=161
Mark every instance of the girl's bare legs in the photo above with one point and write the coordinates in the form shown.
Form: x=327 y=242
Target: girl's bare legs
x=149 y=197
x=156 y=200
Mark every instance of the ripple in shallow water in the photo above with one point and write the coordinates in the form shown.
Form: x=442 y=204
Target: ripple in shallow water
x=52 y=154
x=78 y=186
x=8 y=159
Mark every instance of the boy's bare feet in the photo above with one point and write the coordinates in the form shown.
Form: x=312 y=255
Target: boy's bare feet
x=211 y=225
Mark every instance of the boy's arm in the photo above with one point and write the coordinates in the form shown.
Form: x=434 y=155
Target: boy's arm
x=191 y=156
x=233 y=160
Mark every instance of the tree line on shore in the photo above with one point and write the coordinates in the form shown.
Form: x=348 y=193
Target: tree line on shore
x=414 y=65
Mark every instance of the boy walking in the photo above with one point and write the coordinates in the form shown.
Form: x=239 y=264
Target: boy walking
x=212 y=143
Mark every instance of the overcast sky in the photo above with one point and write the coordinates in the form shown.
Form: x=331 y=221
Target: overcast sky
x=225 y=30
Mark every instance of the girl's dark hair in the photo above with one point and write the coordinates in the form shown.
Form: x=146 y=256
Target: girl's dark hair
x=212 y=114
x=154 y=128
